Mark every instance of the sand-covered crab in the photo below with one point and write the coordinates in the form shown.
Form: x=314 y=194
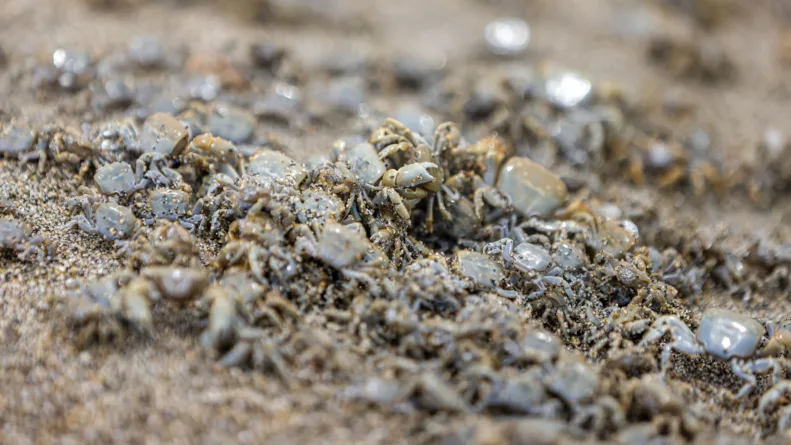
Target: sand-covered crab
x=18 y=237
x=723 y=335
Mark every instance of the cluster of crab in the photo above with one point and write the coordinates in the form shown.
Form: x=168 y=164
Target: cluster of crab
x=590 y=131
x=426 y=228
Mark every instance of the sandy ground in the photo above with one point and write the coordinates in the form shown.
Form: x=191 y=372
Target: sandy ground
x=164 y=390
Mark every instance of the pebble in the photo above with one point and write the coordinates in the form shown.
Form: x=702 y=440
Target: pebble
x=507 y=36
x=73 y=66
x=146 y=52
x=533 y=189
x=379 y=390
x=567 y=89
x=416 y=120
x=660 y=156
x=116 y=93
x=205 y=88
x=415 y=72
x=345 y=94
x=233 y=124
x=573 y=383
x=282 y=102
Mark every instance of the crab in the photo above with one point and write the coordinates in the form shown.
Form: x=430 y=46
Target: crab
x=276 y=166
x=723 y=335
x=415 y=173
x=621 y=328
x=16 y=236
x=773 y=399
x=154 y=167
x=232 y=337
x=117 y=178
x=167 y=244
x=257 y=243
x=65 y=146
x=338 y=179
x=531 y=260
x=19 y=140
x=135 y=300
x=671 y=162
x=123 y=300
x=212 y=154
x=402 y=188
x=51 y=143
x=233 y=200
x=112 y=221
x=488 y=171
x=173 y=205
x=162 y=134
x=344 y=249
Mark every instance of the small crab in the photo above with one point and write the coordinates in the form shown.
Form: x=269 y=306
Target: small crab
x=112 y=221
x=167 y=244
x=125 y=300
x=344 y=249
x=776 y=396
x=154 y=167
x=173 y=205
x=162 y=134
x=724 y=335
x=66 y=146
x=16 y=236
x=257 y=243
x=210 y=153
x=496 y=178
x=232 y=337
x=414 y=172
x=276 y=166
x=117 y=178
x=404 y=187
x=477 y=166
x=532 y=260
x=339 y=180
x=19 y=140
x=673 y=163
